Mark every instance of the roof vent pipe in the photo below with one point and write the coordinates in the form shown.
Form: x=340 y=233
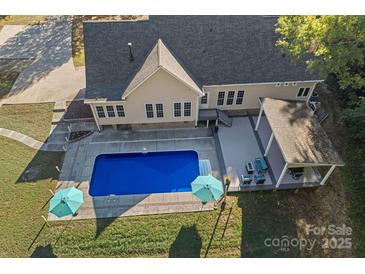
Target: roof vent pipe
x=131 y=58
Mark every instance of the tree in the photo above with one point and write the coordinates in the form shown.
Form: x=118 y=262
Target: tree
x=355 y=120
x=330 y=44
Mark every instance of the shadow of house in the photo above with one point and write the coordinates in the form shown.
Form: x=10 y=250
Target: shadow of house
x=109 y=208
x=43 y=252
x=44 y=165
x=187 y=244
x=48 y=44
x=102 y=224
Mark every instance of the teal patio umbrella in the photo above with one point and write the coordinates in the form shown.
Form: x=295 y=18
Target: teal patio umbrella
x=207 y=188
x=66 y=202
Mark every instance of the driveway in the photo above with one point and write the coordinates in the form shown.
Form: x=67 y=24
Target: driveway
x=51 y=75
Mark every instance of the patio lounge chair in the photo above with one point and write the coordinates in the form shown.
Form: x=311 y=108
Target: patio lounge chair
x=246 y=179
x=260 y=165
x=259 y=179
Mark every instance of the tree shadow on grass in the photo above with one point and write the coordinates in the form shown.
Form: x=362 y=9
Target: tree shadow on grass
x=48 y=44
x=187 y=244
x=43 y=252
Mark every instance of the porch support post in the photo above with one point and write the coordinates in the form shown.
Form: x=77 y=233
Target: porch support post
x=328 y=174
x=207 y=123
x=258 y=119
x=282 y=175
x=216 y=122
x=197 y=111
x=269 y=144
x=95 y=117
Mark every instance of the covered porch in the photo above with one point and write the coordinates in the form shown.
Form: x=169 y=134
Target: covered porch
x=294 y=144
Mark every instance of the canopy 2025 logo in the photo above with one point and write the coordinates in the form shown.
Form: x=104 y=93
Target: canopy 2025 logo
x=334 y=237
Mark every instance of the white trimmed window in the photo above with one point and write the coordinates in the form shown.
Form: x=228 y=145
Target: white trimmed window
x=187 y=109
x=159 y=110
x=110 y=111
x=177 y=109
x=100 y=111
x=221 y=96
x=149 y=110
x=230 y=97
x=303 y=92
x=239 y=99
x=204 y=99
x=306 y=92
x=120 y=111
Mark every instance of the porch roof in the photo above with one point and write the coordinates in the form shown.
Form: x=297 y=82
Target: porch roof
x=301 y=139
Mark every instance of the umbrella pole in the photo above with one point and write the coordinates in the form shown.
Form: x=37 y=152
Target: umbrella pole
x=45 y=220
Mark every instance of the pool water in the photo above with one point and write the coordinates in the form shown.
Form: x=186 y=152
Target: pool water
x=144 y=173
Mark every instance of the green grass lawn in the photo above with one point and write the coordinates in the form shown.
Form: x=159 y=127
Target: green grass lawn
x=23 y=203
x=6 y=84
x=21 y=19
x=30 y=119
x=9 y=72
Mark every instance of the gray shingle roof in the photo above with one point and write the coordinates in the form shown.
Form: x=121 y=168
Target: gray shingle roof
x=213 y=50
x=300 y=137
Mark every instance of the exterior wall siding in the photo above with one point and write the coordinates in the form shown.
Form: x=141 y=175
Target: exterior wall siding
x=161 y=88
x=254 y=92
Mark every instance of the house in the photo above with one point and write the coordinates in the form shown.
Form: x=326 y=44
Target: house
x=165 y=71
x=184 y=71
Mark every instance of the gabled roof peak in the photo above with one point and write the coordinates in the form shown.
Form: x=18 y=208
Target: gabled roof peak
x=160 y=57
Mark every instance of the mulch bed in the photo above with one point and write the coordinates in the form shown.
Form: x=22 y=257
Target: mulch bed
x=78 y=135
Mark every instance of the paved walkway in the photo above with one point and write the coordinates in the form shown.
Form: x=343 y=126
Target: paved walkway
x=51 y=76
x=29 y=141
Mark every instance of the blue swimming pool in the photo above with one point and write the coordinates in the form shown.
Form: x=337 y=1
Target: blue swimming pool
x=144 y=173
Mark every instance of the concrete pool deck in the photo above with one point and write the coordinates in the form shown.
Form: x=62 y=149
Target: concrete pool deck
x=80 y=156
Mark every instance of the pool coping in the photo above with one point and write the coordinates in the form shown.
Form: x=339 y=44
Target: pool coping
x=116 y=206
